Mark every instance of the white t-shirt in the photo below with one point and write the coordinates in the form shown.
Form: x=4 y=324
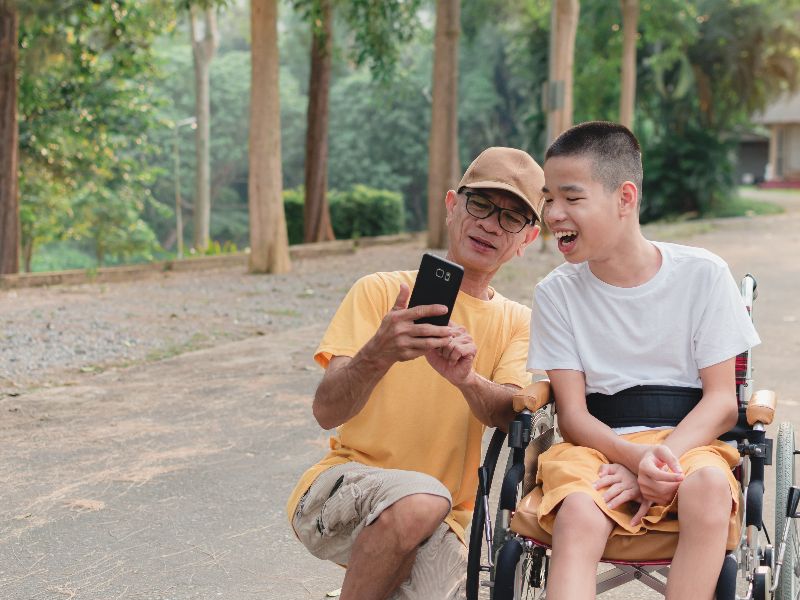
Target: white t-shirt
x=689 y=316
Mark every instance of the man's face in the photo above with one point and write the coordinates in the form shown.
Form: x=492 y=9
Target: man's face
x=582 y=215
x=482 y=244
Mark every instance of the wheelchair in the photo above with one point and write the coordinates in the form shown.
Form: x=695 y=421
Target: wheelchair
x=510 y=555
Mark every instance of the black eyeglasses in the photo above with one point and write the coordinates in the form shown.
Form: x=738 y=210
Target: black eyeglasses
x=512 y=221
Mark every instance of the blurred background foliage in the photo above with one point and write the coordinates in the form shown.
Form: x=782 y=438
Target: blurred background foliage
x=102 y=85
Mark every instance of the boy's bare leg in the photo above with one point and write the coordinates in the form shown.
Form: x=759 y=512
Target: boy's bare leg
x=580 y=534
x=384 y=552
x=704 y=510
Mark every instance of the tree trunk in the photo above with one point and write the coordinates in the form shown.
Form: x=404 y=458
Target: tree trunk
x=627 y=100
x=203 y=49
x=563 y=27
x=9 y=194
x=316 y=212
x=269 y=242
x=443 y=164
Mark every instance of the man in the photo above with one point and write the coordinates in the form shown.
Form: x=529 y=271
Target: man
x=392 y=497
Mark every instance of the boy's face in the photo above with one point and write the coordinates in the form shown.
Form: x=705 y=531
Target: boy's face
x=584 y=217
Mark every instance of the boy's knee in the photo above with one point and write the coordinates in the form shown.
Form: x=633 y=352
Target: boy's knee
x=579 y=513
x=705 y=495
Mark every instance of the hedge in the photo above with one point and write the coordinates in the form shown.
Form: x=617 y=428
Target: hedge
x=359 y=212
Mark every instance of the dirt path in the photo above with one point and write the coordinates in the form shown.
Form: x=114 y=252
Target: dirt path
x=167 y=479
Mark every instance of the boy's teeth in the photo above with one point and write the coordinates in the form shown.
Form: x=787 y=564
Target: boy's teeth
x=561 y=234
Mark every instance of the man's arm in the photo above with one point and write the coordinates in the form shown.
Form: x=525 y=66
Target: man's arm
x=348 y=382
x=490 y=402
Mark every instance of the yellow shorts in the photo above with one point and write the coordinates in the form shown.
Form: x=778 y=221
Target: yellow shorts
x=565 y=469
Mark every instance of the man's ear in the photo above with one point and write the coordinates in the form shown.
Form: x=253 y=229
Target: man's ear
x=530 y=237
x=450 y=201
x=628 y=199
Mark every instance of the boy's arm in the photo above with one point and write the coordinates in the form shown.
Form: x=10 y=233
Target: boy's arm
x=715 y=414
x=579 y=427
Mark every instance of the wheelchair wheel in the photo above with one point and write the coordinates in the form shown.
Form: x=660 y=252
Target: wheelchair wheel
x=788 y=584
x=521 y=571
x=477 y=560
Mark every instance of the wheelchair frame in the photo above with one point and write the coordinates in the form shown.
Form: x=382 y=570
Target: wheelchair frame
x=512 y=566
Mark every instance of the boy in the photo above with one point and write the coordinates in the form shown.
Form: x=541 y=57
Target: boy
x=639 y=340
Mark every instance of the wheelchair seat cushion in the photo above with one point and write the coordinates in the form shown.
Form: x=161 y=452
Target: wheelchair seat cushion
x=565 y=469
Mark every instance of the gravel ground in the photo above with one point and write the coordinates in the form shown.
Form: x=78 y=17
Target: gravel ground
x=50 y=335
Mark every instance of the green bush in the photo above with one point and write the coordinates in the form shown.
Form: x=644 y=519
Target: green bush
x=293 y=207
x=359 y=212
x=687 y=173
x=365 y=211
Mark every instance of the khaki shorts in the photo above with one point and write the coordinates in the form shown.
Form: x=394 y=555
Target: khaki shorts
x=346 y=498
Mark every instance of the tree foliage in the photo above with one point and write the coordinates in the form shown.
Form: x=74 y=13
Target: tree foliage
x=100 y=84
x=84 y=112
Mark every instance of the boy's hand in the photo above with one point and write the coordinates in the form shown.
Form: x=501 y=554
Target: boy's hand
x=622 y=487
x=660 y=474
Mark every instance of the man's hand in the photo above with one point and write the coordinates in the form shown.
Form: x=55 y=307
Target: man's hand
x=660 y=474
x=454 y=360
x=400 y=339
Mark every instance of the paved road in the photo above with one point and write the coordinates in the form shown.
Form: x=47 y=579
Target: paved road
x=168 y=480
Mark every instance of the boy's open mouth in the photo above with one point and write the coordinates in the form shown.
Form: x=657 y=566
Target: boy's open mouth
x=566 y=240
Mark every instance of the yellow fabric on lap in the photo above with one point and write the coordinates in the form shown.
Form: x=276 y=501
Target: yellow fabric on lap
x=565 y=469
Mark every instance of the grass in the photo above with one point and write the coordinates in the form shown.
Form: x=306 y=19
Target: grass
x=197 y=341
x=744 y=207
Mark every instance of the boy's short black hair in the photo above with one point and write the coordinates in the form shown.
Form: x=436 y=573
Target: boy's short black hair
x=614 y=151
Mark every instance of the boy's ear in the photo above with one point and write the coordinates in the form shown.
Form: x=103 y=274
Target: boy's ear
x=530 y=237
x=628 y=199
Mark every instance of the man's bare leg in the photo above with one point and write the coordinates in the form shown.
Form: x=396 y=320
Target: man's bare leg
x=580 y=534
x=704 y=510
x=384 y=552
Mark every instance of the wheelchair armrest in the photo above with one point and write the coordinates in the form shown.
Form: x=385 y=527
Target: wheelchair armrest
x=533 y=397
x=761 y=407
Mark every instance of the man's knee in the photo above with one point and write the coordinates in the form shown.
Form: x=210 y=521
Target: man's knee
x=413 y=519
x=704 y=498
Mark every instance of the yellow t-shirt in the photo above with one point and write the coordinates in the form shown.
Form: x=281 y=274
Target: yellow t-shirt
x=415 y=419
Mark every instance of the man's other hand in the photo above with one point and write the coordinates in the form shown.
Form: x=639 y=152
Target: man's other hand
x=453 y=361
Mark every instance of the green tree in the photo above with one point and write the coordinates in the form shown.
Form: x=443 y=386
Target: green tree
x=83 y=116
x=9 y=198
x=378 y=28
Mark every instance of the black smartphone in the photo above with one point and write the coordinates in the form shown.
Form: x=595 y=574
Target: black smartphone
x=438 y=281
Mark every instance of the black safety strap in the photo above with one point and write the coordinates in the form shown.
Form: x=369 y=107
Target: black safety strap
x=644 y=405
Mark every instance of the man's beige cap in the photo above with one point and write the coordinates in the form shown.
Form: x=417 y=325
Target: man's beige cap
x=507 y=169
